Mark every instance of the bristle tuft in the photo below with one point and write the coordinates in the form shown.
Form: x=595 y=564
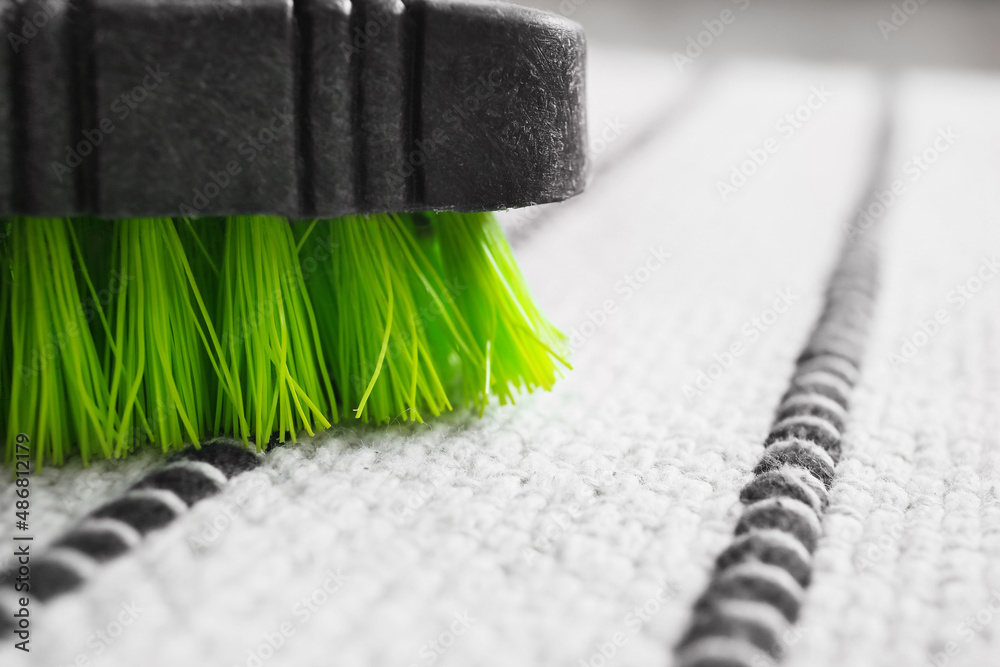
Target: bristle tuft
x=117 y=334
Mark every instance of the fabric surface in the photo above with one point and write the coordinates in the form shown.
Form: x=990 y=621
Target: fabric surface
x=586 y=521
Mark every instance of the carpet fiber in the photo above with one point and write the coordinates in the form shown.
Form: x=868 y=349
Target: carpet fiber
x=580 y=527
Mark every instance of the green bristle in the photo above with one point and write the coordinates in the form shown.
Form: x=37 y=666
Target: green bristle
x=516 y=345
x=57 y=390
x=270 y=335
x=5 y=337
x=252 y=326
x=383 y=289
x=161 y=382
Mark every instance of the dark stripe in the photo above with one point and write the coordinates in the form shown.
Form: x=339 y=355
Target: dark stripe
x=189 y=485
x=815 y=434
x=143 y=514
x=101 y=545
x=795 y=453
x=745 y=586
x=808 y=356
x=7 y=626
x=792 y=477
x=800 y=387
x=275 y=441
x=229 y=457
x=784 y=483
x=779 y=517
x=757 y=547
x=50 y=578
x=811 y=410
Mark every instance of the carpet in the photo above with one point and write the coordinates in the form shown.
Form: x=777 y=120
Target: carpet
x=583 y=526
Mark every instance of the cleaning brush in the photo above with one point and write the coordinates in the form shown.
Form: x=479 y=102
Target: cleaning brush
x=259 y=217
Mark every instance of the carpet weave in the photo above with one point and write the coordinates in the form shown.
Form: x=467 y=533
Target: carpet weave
x=545 y=533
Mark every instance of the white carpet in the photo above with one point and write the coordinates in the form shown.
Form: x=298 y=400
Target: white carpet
x=536 y=534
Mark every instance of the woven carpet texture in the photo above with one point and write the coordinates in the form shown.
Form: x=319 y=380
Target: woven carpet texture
x=586 y=522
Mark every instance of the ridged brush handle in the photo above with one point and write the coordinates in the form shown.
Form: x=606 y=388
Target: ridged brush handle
x=133 y=108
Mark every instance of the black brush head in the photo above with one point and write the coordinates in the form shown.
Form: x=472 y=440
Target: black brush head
x=141 y=108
